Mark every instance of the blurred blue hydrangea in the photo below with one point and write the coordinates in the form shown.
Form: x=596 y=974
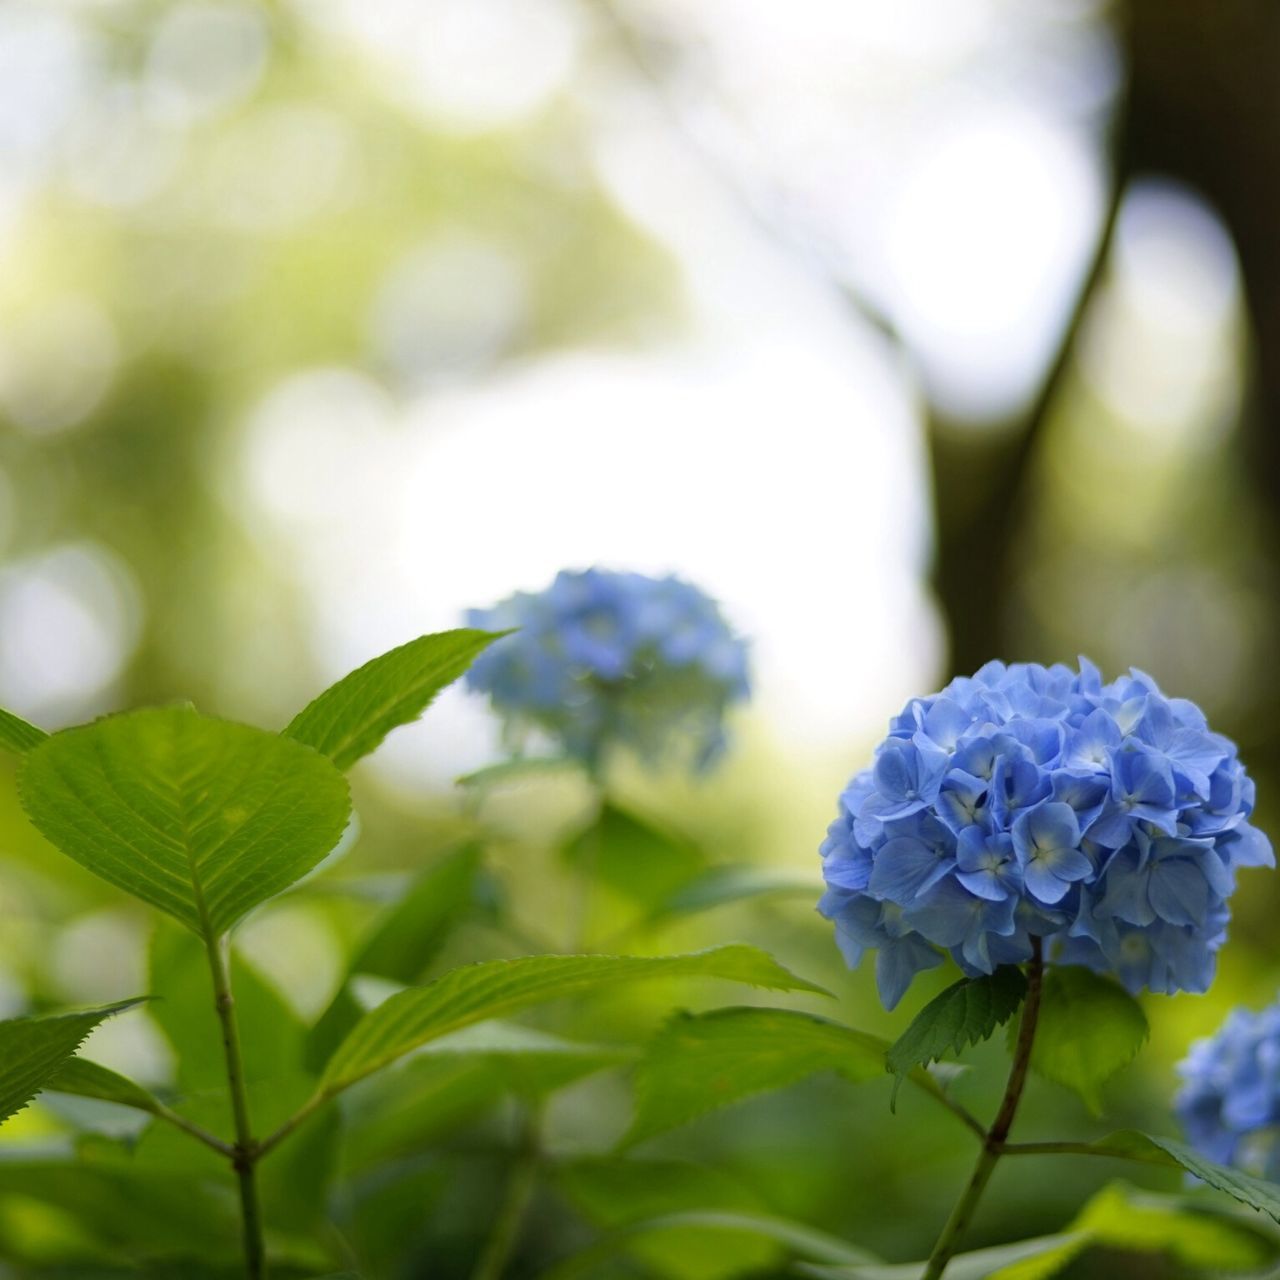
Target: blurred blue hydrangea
x=604 y=658
x=1229 y=1103
x=1029 y=800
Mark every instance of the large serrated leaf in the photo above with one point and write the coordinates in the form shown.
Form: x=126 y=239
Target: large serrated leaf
x=199 y=817
x=34 y=1050
x=17 y=735
x=1130 y=1144
x=967 y=1012
x=496 y=988
x=700 y=1062
x=1089 y=1027
x=351 y=718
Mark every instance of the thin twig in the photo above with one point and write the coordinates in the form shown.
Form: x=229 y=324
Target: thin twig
x=161 y=1112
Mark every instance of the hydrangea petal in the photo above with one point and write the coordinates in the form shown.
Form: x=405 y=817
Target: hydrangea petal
x=1031 y=801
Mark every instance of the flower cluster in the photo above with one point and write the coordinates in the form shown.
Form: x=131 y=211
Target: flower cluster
x=1038 y=801
x=603 y=658
x=1229 y=1103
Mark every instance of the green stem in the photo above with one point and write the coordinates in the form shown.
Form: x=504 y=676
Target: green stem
x=299 y=1117
x=245 y=1152
x=161 y=1112
x=994 y=1144
x=521 y=1185
x=1076 y=1149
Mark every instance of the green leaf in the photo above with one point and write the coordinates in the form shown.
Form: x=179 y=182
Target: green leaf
x=1048 y=1254
x=34 y=1050
x=402 y=943
x=699 y=1062
x=199 y=817
x=796 y=1238
x=351 y=718
x=1199 y=1236
x=967 y=1012
x=17 y=735
x=87 y=1079
x=499 y=1039
x=523 y=1060
x=634 y=857
x=722 y=885
x=496 y=988
x=1129 y=1144
x=1089 y=1027
x=129 y=1212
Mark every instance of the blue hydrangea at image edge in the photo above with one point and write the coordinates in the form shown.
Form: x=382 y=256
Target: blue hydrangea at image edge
x=1229 y=1103
x=1027 y=800
x=603 y=659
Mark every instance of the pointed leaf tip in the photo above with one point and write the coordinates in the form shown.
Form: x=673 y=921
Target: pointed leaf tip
x=351 y=718
x=17 y=735
x=33 y=1050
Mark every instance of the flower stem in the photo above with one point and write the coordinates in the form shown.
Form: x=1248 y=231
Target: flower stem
x=245 y=1152
x=993 y=1145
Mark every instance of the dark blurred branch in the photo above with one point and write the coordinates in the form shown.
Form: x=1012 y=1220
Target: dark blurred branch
x=984 y=481
x=1204 y=108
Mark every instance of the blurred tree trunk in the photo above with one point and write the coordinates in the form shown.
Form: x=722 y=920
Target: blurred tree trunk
x=1202 y=106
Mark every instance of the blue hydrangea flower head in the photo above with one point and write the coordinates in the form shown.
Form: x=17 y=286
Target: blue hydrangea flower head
x=1229 y=1103
x=602 y=659
x=1029 y=801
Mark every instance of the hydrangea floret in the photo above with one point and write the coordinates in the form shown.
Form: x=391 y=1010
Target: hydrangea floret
x=603 y=658
x=1030 y=801
x=1229 y=1103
